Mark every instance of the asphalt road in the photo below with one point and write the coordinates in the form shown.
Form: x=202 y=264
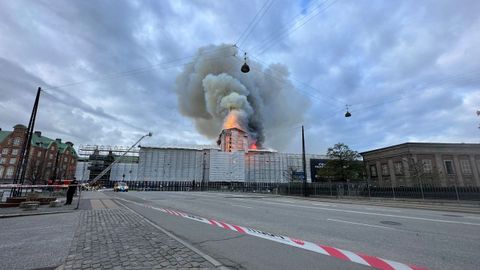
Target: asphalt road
x=433 y=239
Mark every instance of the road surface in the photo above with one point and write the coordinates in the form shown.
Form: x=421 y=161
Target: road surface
x=431 y=239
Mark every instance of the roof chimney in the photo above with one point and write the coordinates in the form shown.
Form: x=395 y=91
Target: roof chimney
x=38 y=133
x=70 y=143
x=58 y=140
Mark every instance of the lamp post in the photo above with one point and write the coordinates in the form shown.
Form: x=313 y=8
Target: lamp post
x=304 y=165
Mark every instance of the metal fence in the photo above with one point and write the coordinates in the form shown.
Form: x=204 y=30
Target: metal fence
x=335 y=189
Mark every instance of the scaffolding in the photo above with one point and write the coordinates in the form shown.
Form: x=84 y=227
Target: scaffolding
x=126 y=169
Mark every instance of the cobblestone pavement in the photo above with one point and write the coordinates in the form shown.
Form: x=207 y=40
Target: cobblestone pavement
x=119 y=239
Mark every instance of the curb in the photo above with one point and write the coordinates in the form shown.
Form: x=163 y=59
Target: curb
x=35 y=214
x=433 y=207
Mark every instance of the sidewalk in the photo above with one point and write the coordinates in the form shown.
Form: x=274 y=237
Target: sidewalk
x=41 y=210
x=112 y=237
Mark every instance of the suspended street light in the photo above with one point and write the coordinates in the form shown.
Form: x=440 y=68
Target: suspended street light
x=347 y=114
x=245 y=68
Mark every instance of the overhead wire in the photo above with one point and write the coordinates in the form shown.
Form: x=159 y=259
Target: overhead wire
x=162 y=65
x=422 y=87
x=282 y=80
x=334 y=99
x=256 y=19
x=48 y=90
x=294 y=26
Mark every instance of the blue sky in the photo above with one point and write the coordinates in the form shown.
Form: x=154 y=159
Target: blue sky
x=408 y=70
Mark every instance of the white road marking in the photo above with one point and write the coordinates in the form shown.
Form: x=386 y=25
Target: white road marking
x=362 y=224
x=377 y=209
x=376 y=214
x=352 y=211
x=324 y=204
x=241 y=206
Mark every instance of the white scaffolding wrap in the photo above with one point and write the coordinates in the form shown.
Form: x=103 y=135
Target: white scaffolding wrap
x=124 y=172
x=171 y=164
x=204 y=164
x=227 y=166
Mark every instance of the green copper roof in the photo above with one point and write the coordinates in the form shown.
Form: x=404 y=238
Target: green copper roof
x=42 y=141
x=4 y=135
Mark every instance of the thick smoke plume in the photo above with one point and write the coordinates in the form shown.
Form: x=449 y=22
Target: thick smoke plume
x=216 y=94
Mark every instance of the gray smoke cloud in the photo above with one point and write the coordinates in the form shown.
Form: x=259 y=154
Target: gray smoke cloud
x=214 y=92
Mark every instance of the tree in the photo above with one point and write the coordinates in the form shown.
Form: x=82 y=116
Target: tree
x=420 y=172
x=344 y=164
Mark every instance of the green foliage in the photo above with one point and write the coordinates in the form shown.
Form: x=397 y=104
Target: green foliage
x=344 y=164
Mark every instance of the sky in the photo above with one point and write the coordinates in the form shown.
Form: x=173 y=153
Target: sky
x=409 y=71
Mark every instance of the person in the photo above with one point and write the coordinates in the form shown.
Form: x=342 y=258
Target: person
x=71 y=191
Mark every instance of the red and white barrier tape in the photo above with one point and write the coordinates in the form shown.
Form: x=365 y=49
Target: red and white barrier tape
x=342 y=254
x=30 y=186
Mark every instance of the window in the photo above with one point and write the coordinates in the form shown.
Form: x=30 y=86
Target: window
x=449 y=167
x=9 y=172
x=65 y=159
x=373 y=171
x=16 y=141
x=49 y=164
x=3 y=160
x=14 y=152
x=427 y=165
x=398 y=167
x=5 y=151
x=50 y=156
x=465 y=166
x=39 y=153
x=1 y=171
x=385 y=169
x=13 y=161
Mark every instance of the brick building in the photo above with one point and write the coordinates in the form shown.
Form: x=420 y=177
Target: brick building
x=435 y=164
x=49 y=159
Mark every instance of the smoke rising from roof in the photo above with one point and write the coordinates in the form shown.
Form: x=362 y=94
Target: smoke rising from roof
x=262 y=101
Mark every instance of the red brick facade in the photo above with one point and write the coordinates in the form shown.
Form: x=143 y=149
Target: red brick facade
x=49 y=159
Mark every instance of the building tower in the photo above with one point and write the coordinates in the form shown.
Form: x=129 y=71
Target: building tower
x=233 y=140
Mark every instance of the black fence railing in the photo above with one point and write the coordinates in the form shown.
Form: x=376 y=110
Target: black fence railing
x=335 y=189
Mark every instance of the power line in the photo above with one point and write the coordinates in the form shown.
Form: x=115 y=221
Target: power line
x=427 y=85
x=281 y=80
x=294 y=26
x=305 y=84
x=254 y=21
x=163 y=65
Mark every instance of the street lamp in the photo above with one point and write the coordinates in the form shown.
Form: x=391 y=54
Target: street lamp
x=245 y=68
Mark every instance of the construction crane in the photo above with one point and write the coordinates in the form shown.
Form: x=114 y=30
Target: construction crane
x=118 y=159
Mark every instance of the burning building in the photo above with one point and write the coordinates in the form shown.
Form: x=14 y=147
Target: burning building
x=237 y=110
x=232 y=140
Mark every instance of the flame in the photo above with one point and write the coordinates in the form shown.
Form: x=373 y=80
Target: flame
x=253 y=146
x=231 y=121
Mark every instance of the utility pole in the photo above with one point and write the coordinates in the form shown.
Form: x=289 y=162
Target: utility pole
x=25 y=153
x=304 y=164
